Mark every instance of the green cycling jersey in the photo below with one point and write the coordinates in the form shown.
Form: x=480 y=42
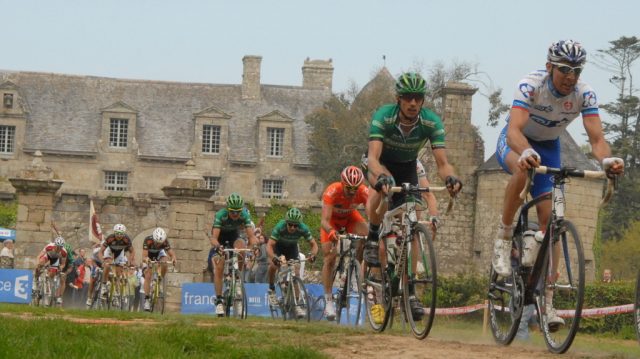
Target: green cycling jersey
x=399 y=147
x=227 y=224
x=281 y=234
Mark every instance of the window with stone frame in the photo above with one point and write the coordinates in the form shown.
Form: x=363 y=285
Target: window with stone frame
x=7 y=139
x=118 y=131
x=213 y=183
x=7 y=100
x=116 y=180
x=211 y=139
x=272 y=188
x=275 y=141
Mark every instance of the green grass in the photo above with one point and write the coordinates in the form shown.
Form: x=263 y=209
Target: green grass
x=27 y=332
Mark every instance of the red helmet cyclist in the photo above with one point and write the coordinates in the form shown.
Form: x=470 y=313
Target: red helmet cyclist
x=351 y=177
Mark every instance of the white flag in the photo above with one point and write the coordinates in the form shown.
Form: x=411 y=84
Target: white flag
x=95 y=231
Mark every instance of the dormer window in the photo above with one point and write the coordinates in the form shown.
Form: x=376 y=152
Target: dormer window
x=118 y=132
x=7 y=100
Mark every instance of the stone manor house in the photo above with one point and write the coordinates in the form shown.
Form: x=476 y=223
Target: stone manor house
x=153 y=153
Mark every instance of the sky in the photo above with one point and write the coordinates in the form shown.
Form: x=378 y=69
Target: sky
x=205 y=41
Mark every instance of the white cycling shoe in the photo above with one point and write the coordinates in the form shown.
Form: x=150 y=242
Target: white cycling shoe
x=330 y=311
x=220 y=310
x=501 y=261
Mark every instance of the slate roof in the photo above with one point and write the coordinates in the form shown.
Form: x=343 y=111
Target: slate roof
x=65 y=112
x=571 y=156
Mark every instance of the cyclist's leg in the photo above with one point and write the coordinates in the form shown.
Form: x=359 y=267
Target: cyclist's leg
x=239 y=243
x=329 y=251
x=106 y=266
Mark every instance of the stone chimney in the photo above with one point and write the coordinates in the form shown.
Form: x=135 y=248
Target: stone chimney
x=251 y=77
x=317 y=74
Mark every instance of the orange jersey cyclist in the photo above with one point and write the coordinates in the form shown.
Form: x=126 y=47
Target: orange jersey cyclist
x=225 y=233
x=155 y=247
x=339 y=211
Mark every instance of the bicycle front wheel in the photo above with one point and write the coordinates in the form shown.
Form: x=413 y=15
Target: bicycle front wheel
x=421 y=282
x=297 y=301
x=561 y=304
x=350 y=303
x=377 y=298
x=238 y=305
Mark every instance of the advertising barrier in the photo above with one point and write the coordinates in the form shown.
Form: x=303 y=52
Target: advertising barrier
x=15 y=285
x=199 y=298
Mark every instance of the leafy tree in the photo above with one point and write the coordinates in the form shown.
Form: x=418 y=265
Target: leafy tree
x=8 y=213
x=621 y=256
x=624 y=133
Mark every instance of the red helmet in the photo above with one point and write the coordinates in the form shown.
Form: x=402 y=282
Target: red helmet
x=352 y=176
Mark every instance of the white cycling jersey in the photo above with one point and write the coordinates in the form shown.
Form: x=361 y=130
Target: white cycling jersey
x=549 y=111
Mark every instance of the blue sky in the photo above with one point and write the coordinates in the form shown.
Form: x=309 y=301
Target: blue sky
x=204 y=41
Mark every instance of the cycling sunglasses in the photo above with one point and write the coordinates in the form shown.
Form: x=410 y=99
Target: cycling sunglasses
x=412 y=96
x=351 y=188
x=293 y=225
x=234 y=211
x=566 y=69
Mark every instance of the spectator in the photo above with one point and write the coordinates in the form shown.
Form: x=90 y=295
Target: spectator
x=607 y=276
x=262 y=260
x=6 y=255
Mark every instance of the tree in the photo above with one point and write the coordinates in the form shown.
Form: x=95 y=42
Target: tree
x=339 y=130
x=624 y=133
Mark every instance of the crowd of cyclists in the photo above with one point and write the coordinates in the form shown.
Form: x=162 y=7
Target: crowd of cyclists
x=545 y=102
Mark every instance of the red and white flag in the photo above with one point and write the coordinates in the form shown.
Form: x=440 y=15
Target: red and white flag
x=95 y=231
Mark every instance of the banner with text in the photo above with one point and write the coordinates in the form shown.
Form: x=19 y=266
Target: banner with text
x=15 y=285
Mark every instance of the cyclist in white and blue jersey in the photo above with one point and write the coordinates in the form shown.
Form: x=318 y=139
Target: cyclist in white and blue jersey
x=545 y=103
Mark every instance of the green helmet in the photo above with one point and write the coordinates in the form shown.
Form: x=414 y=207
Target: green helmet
x=293 y=215
x=234 y=201
x=410 y=82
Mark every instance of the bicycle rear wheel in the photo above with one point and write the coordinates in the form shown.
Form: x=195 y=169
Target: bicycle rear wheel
x=421 y=281
x=351 y=296
x=162 y=294
x=566 y=292
x=377 y=298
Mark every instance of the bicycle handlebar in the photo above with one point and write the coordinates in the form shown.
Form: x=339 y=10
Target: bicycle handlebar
x=612 y=183
x=408 y=188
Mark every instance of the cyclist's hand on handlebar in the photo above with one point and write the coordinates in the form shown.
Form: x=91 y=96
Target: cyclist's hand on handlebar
x=453 y=185
x=219 y=249
x=276 y=261
x=311 y=258
x=383 y=183
x=613 y=166
x=529 y=158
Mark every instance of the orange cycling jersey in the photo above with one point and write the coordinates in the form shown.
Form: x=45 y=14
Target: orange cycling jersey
x=344 y=213
x=343 y=205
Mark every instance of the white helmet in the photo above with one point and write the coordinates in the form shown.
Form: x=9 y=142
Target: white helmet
x=58 y=242
x=119 y=229
x=159 y=235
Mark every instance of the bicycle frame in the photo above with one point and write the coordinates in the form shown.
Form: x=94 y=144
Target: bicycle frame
x=348 y=268
x=291 y=299
x=552 y=272
x=233 y=284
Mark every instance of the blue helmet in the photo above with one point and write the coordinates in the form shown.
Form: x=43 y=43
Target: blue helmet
x=567 y=51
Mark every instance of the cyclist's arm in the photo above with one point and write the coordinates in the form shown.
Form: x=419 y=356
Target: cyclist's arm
x=445 y=169
x=270 y=249
x=516 y=140
x=314 y=247
x=215 y=234
x=325 y=222
x=375 y=168
x=251 y=236
x=145 y=255
x=132 y=254
x=172 y=254
x=599 y=146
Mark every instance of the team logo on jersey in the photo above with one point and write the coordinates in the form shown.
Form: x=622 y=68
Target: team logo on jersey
x=527 y=90
x=589 y=98
x=568 y=105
